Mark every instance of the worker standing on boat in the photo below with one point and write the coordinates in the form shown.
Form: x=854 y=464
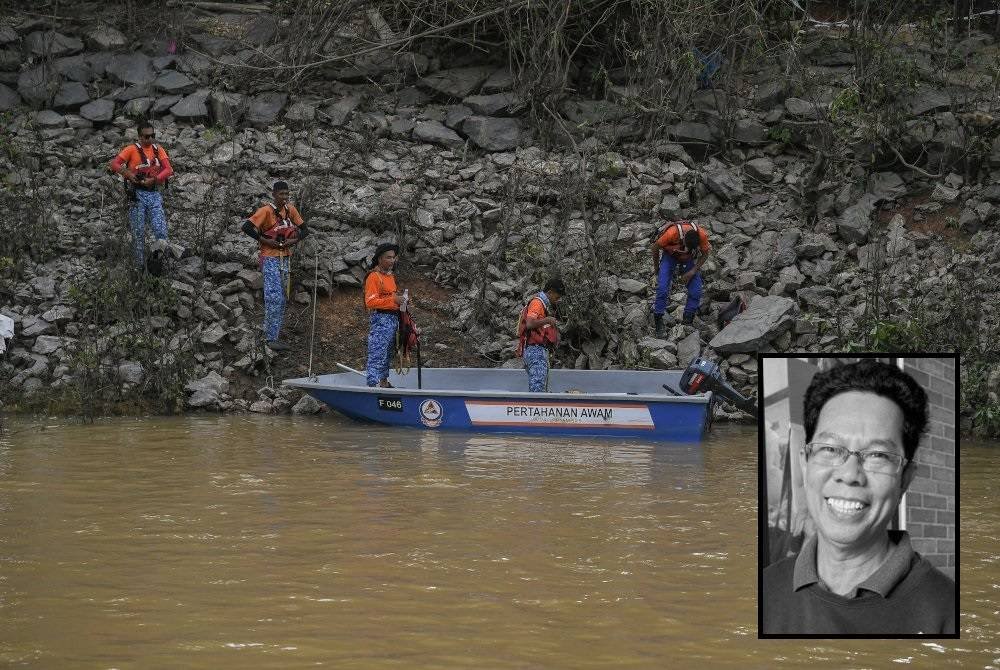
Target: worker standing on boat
x=683 y=245
x=278 y=227
x=538 y=333
x=384 y=300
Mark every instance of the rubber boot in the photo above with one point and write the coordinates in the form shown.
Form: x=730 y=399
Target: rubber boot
x=658 y=320
x=688 y=318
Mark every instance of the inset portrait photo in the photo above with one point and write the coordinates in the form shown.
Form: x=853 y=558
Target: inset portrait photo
x=858 y=499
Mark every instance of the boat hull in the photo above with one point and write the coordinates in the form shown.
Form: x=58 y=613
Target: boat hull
x=614 y=415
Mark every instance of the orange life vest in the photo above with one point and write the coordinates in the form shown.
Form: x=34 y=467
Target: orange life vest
x=547 y=336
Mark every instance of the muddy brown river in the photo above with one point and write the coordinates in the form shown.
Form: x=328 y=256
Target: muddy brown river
x=279 y=542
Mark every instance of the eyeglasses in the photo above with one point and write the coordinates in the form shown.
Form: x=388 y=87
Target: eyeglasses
x=147 y=135
x=875 y=461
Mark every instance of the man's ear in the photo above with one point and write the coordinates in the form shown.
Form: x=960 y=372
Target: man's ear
x=909 y=472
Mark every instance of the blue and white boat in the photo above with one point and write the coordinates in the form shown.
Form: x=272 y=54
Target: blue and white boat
x=608 y=403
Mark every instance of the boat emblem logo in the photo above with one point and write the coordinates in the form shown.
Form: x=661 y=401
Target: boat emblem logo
x=431 y=413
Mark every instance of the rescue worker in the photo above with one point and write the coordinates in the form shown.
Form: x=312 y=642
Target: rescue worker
x=384 y=300
x=538 y=333
x=683 y=245
x=278 y=227
x=146 y=169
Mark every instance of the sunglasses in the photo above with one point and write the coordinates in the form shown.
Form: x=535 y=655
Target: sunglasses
x=147 y=135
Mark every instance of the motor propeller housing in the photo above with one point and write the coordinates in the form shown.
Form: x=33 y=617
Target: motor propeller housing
x=703 y=375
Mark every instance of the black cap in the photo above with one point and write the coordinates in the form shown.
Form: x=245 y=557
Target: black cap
x=381 y=249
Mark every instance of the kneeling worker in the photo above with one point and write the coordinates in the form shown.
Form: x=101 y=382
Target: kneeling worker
x=538 y=333
x=684 y=244
x=278 y=227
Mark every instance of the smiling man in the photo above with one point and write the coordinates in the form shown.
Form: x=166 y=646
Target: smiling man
x=854 y=576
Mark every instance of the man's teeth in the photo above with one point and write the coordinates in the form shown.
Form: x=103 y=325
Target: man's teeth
x=841 y=505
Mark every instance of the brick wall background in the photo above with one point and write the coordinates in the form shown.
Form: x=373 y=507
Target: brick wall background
x=930 y=501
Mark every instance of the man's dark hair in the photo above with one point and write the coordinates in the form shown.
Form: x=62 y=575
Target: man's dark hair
x=871 y=376
x=142 y=124
x=555 y=284
x=691 y=240
x=280 y=186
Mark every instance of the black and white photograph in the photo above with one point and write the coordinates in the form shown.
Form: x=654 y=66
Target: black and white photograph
x=858 y=522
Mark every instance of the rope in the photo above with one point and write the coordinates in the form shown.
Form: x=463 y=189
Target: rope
x=312 y=335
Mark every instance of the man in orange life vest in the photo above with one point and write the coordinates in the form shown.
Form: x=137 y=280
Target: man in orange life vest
x=684 y=245
x=145 y=167
x=278 y=227
x=538 y=333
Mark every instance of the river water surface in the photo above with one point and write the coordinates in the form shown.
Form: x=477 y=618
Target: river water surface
x=278 y=542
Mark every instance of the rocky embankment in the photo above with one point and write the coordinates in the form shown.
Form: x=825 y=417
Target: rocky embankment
x=444 y=160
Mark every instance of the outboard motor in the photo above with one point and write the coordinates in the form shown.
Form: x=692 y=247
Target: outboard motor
x=704 y=375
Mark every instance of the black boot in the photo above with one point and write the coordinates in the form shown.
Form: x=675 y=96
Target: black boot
x=658 y=320
x=688 y=318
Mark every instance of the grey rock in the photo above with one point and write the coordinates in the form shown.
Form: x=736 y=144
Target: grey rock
x=131 y=69
x=8 y=35
x=10 y=60
x=928 y=100
x=689 y=348
x=9 y=98
x=34 y=326
x=944 y=193
x=494 y=134
x=252 y=278
x=308 y=405
x=301 y=111
x=137 y=108
x=748 y=131
x=725 y=185
x=131 y=372
x=49 y=119
x=856 y=221
x=99 y=62
x=262 y=407
x=336 y=114
x=46 y=43
x=805 y=109
x=592 y=112
x=817 y=297
x=501 y=80
x=213 y=381
x=784 y=254
x=173 y=82
x=496 y=104
x=689 y=131
x=38 y=84
x=98 y=111
x=670 y=206
x=70 y=96
x=193 y=106
x=161 y=105
x=43 y=287
x=631 y=286
x=265 y=108
x=49 y=344
x=770 y=93
x=765 y=318
x=105 y=38
x=457 y=114
x=434 y=132
x=761 y=169
x=60 y=314
x=133 y=92
x=969 y=222
x=456 y=83
x=213 y=335
x=213 y=44
x=887 y=185
x=227 y=108
x=203 y=398
x=75 y=68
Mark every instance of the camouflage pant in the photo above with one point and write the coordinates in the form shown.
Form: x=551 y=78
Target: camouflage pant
x=275 y=274
x=536 y=362
x=381 y=341
x=148 y=204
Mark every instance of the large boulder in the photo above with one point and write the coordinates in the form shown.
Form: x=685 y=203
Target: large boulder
x=70 y=96
x=131 y=69
x=105 y=38
x=856 y=221
x=457 y=83
x=725 y=185
x=192 y=106
x=98 y=111
x=38 y=84
x=47 y=43
x=765 y=318
x=173 y=82
x=75 y=68
x=493 y=134
x=434 y=132
x=9 y=98
x=227 y=108
x=265 y=108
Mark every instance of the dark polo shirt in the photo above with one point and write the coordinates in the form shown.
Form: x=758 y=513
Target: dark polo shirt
x=906 y=595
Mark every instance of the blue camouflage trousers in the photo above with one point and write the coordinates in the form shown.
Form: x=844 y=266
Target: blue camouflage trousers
x=275 y=275
x=148 y=204
x=381 y=341
x=536 y=362
x=668 y=265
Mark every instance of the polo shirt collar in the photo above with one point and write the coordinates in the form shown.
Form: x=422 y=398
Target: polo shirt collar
x=882 y=581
